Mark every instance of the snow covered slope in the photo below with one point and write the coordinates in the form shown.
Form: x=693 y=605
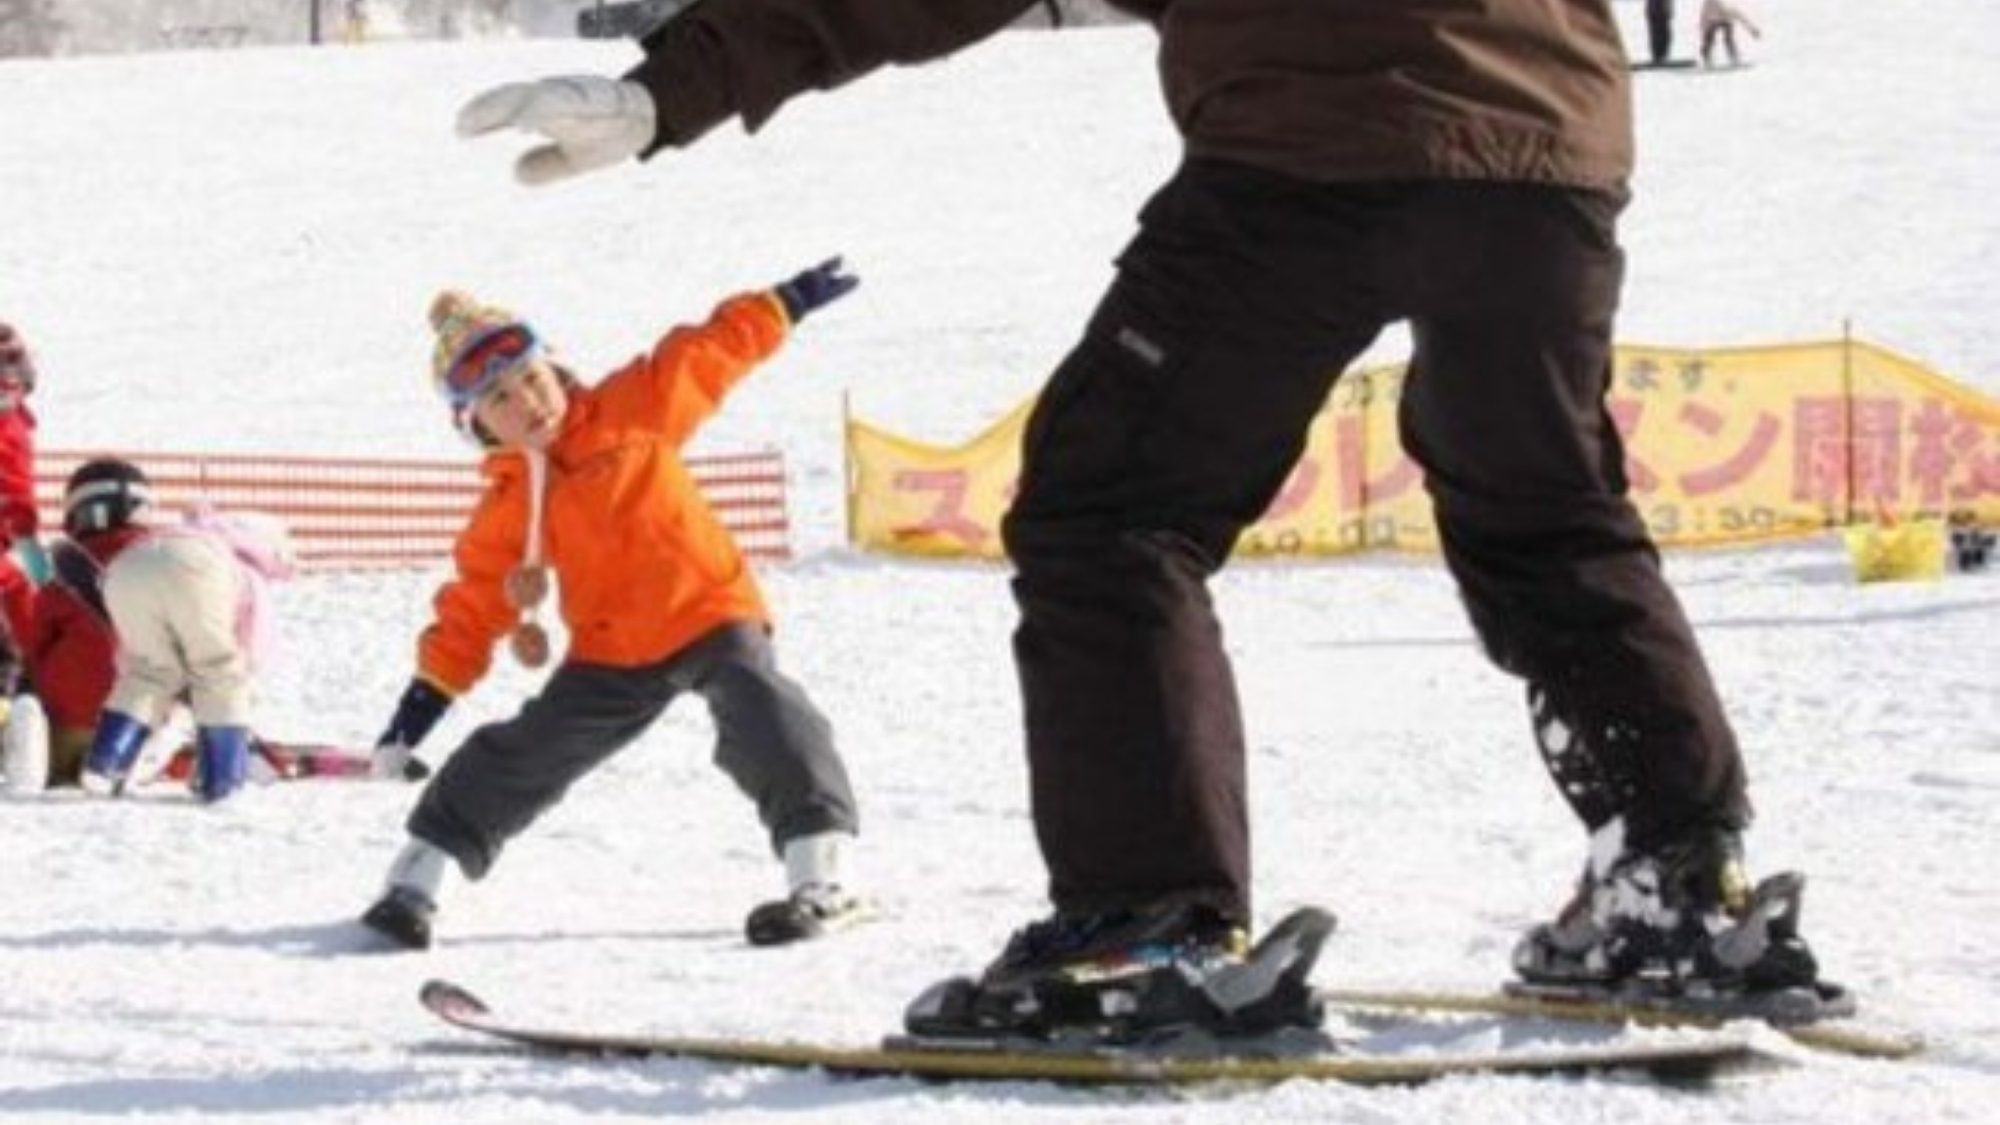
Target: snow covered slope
x=234 y=251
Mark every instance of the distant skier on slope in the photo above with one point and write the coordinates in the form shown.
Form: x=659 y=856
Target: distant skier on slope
x=1718 y=25
x=586 y=488
x=1659 y=31
x=1457 y=164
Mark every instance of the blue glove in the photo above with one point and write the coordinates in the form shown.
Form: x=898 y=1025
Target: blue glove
x=820 y=285
x=422 y=705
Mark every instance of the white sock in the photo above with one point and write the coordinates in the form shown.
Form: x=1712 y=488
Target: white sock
x=420 y=867
x=819 y=858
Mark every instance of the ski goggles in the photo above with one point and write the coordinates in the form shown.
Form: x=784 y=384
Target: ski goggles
x=474 y=371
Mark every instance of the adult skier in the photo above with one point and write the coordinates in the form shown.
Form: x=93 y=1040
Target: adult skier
x=1457 y=164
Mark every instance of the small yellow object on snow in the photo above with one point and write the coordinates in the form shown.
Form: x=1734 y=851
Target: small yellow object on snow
x=1897 y=551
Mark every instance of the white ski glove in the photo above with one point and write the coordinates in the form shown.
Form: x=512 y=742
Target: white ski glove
x=594 y=122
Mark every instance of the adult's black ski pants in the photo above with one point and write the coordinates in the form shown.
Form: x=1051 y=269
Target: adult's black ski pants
x=1176 y=419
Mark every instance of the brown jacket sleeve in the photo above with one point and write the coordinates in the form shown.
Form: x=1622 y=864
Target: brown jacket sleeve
x=745 y=58
x=1333 y=91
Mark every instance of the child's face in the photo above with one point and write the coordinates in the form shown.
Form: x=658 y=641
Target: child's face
x=13 y=391
x=525 y=407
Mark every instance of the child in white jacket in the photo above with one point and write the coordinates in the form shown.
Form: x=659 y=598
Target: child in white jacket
x=187 y=604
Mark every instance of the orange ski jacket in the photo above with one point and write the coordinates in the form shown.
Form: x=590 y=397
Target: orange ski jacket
x=641 y=564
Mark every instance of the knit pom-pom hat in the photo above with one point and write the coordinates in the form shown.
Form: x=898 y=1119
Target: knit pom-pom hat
x=476 y=345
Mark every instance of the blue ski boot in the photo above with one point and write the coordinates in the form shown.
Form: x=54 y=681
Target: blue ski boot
x=221 y=762
x=107 y=767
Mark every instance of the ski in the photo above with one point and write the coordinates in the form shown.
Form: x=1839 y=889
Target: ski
x=281 y=761
x=1838 y=1032
x=1681 y=1055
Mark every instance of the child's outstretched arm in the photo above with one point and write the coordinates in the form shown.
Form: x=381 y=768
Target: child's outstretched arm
x=470 y=615
x=694 y=366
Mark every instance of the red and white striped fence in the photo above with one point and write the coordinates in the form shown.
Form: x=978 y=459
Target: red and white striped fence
x=357 y=513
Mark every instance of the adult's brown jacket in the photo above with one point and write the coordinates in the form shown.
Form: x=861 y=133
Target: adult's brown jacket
x=1329 y=90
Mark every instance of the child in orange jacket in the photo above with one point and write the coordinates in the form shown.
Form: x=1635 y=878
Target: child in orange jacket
x=587 y=482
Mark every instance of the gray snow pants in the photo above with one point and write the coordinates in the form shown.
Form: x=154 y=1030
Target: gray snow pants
x=1175 y=421
x=770 y=740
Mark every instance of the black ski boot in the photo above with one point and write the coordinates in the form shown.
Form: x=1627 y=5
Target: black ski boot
x=403 y=916
x=811 y=911
x=1679 y=919
x=1135 y=978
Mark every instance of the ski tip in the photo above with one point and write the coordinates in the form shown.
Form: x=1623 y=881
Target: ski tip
x=451 y=1001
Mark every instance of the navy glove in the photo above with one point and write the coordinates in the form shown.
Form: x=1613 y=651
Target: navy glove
x=422 y=705
x=817 y=286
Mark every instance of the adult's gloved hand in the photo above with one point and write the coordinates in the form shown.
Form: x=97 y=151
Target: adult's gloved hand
x=820 y=285
x=594 y=123
x=422 y=705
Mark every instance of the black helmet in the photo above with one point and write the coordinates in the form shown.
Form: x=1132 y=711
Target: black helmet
x=103 y=494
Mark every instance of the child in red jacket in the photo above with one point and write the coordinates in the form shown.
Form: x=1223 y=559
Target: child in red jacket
x=17 y=565
x=17 y=437
x=72 y=652
x=24 y=564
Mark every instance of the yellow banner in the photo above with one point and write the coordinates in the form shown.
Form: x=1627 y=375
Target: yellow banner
x=908 y=498
x=1722 y=446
